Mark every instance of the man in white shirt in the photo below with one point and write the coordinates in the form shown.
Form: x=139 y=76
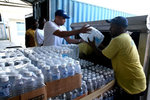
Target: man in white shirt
x=39 y=32
x=54 y=31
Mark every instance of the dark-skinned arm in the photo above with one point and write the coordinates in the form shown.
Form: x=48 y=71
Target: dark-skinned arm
x=84 y=29
x=74 y=41
x=95 y=49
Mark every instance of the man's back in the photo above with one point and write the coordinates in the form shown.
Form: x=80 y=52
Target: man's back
x=29 y=38
x=126 y=64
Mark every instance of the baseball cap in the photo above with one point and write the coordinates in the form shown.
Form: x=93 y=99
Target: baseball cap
x=61 y=13
x=122 y=21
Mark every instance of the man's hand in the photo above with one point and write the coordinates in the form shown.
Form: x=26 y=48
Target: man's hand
x=92 y=43
x=85 y=29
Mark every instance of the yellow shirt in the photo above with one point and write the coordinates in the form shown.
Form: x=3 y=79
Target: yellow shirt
x=30 y=41
x=126 y=63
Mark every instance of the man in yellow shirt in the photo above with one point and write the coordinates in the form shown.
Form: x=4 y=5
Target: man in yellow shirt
x=129 y=74
x=30 y=33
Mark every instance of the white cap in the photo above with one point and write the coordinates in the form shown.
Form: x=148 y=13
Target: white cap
x=2 y=64
x=4 y=78
x=47 y=68
x=2 y=72
x=56 y=66
x=38 y=72
x=77 y=62
x=27 y=73
x=63 y=65
x=19 y=76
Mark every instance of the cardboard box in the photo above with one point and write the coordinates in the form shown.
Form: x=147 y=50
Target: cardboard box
x=57 y=87
x=15 y=98
x=38 y=94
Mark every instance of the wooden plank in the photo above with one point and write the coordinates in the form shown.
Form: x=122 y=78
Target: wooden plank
x=142 y=46
x=99 y=91
x=146 y=62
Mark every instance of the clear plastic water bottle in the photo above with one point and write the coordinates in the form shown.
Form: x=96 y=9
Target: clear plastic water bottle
x=75 y=93
x=103 y=80
x=22 y=71
x=105 y=97
x=12 y=76
x=99 y=81
x=77 y=67
x=94 y=82
x=4 y=87
x=80 y=91
x=18 y=62
x=18 y=85
x=40 y=64
x=71 y=70
x=32 y=58
x=90 y=86
x=47 y=74
x=112 y=94
x=10 y=63
x=84 y=87
x=39 y=79
x=63 y=71
x=101 y=97
x=26 y=61
x=62 y=96
x=32 y=68
x=55 y=73
x=2 y=64
x=29 y=82
x=69 y=96
x=109 y=95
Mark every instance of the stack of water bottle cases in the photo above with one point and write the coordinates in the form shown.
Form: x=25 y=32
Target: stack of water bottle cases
x=25 y=70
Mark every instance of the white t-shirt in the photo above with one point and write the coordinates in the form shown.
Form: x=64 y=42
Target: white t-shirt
x=50 y=39
x=39 y=36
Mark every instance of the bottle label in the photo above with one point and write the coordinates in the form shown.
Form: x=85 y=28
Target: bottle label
x=4 y=90
x=55 y=77
x=64 y=55
x=65 y=74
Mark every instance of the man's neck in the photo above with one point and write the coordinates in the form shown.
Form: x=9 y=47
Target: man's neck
x=56 y=23
x=118 y=34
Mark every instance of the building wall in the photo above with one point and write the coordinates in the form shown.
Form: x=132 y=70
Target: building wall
x=82 y=12
x=14 y=20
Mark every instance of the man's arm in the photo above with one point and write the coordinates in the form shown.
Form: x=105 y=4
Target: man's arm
x=95 y=49
x=74 y=41
x=84 y=29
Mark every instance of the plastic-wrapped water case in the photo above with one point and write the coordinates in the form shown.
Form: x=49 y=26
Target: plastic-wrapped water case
x=94 y=33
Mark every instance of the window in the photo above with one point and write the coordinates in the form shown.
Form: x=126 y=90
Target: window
x=20 y=28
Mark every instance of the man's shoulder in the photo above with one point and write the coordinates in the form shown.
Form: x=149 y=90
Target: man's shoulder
x=121 y=37
x=30 y=31
x=50 y=24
